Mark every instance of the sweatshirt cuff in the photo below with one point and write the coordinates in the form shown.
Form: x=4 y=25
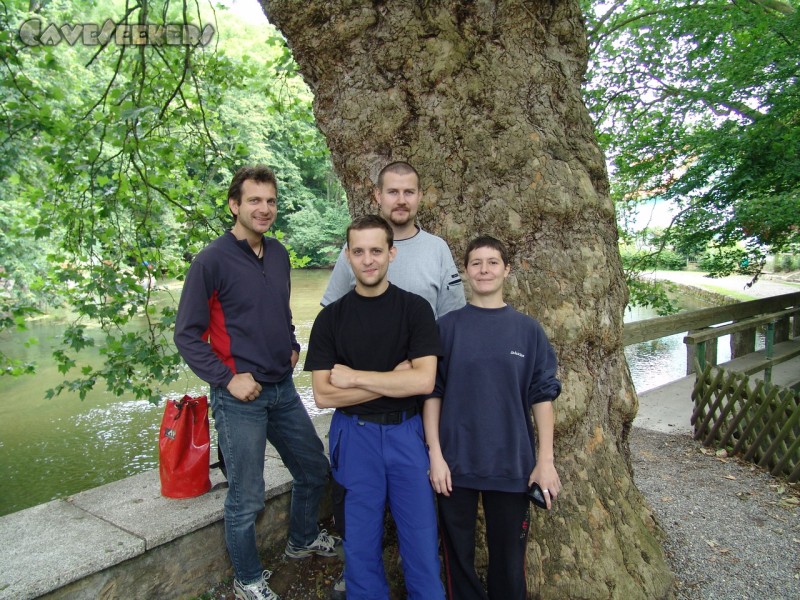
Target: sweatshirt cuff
x=227 y=380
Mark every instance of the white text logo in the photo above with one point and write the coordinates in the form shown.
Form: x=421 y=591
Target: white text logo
x=33 y=33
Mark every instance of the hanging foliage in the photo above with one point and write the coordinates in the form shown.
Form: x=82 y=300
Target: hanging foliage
x=128 y=121
x=698 y=104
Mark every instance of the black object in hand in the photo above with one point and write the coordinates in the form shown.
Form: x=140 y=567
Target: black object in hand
x=536 y=495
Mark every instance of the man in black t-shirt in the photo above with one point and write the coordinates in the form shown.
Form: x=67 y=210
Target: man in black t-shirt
x=372 y=353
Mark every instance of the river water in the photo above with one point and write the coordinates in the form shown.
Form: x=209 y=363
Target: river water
x=660 y=361
x=53 y=448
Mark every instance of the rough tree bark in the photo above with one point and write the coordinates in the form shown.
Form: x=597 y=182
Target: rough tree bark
x=483 y=98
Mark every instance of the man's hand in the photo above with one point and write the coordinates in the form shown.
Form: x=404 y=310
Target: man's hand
x=343 y=377
x=295 y=358
x=342 y=386
x=243 y=387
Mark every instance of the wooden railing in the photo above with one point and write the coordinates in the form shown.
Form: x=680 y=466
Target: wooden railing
x=746 y=317
x=702 y=337
x=758 y=421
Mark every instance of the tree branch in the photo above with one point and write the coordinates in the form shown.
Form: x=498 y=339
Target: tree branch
x=776 y=5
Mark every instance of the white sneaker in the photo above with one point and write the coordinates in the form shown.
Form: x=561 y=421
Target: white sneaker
x=255 y=591
x=339 y=590
x=324 y=545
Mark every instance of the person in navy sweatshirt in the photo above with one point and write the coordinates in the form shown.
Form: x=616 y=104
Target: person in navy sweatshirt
x=498 y=367
x=234 y=329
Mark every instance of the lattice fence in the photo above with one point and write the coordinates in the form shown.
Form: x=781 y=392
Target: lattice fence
x=760 y=422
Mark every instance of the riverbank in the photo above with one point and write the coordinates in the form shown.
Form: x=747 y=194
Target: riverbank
x=46 y=442
x=734 y=286
x=125 y=540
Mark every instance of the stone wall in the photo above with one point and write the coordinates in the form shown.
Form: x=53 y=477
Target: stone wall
x=183 y=568
x=125 y=540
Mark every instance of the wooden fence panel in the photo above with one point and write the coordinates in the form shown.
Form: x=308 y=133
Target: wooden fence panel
x=759 y=422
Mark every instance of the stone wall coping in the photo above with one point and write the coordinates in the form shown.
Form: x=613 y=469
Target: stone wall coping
x=48 y=546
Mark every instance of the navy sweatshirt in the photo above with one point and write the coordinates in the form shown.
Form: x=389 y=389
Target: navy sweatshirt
x=497 y=364
x=234 y=314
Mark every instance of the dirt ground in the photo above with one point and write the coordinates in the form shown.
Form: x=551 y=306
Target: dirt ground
x=311 y=578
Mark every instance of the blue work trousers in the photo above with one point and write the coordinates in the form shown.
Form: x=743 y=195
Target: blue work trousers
x=243 y=428
x=376 y=464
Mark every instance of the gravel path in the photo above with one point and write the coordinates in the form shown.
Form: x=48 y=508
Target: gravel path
x=732 y=530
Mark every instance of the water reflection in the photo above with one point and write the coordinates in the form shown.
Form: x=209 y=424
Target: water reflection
x=53 y=448
x=656 y=362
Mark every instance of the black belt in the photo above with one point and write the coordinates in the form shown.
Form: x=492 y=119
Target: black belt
x=390 y=418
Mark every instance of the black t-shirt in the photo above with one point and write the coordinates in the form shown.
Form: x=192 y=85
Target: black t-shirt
x=373 y=334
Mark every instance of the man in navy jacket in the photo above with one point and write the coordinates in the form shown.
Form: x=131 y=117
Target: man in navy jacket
x=234 y=329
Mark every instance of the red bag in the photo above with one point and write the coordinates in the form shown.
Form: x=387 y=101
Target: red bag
x=184 y=448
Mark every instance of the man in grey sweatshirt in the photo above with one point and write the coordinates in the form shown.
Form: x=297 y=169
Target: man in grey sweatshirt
x=424 y=264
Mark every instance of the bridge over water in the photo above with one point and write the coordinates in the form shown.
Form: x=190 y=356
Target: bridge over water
x=668 y=408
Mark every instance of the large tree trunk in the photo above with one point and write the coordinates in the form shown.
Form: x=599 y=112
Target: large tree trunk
x=483 y=98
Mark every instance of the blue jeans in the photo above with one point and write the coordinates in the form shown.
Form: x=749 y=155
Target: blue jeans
x=243 y=428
